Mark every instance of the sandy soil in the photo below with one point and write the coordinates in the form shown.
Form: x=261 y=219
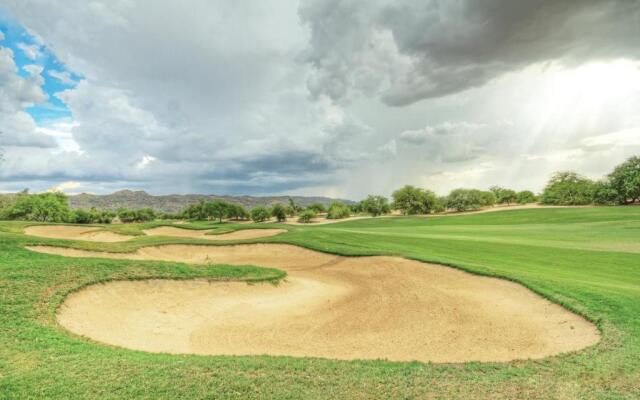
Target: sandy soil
x=242 y=234
x=329 y=306
x=75 y=233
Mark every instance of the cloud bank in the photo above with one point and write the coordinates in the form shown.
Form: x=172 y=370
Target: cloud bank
x=319 y=97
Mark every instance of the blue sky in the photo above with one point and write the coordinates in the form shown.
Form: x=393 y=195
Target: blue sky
x=28 y=50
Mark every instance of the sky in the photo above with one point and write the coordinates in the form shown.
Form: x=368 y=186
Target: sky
x=338 y=98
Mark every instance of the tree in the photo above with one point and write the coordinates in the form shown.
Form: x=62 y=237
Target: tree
x=237 y=212
x=504 y=195
x=525 y=197
x=279 y=212
x=216 y=209
x=625 y=180
x=293 y=207
x=43 y=207
x=307 y=216
x=487 y=198
x=568 y=188
x=376 y=205
x=317 y=207
x=412 y=200
x=605 y=194
x=260 y=214
x=465 y=199
x=338 y=210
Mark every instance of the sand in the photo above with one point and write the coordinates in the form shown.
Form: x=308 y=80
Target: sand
x=74 y=232
x=329 y=306
x=242 y=234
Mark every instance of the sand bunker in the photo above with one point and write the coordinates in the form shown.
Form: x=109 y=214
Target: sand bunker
x=329 y=306
x=242 y=234
x=74 y=232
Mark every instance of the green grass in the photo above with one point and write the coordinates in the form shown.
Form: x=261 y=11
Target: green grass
x=586 y=259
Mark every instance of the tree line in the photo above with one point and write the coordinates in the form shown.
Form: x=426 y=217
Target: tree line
x=621 y=186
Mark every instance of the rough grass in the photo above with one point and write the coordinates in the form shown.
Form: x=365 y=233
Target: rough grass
x=587 y=259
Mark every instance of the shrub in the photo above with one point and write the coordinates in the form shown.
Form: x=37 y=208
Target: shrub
x=526 y=197
x=279 y=212
x=317 y=207
x=568 y=188
x=465 y=199
x=306 y=216
x=503 y=195
x=605 y=194
x=142 y=215
x=338 y=210
x=260 y=214
x=237 y=212
x=411 y=200
x=43 y=207
x=375 y=205
x=625 y=181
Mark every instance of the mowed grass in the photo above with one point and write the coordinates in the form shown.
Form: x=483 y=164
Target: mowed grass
x=587 y=259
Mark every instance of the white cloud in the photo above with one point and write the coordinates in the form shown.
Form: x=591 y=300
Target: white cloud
x=30 y=50
x=145 y=161
x=62 y=76
x=1 y=36
x=65 y=187
x=16 y=94
x=33 y=69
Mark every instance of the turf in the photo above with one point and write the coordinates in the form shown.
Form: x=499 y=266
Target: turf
x=586 y=259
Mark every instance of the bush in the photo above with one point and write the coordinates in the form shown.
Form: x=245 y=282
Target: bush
x=237 y=212
x=605 y=194
x=411 y=200
x=625 y=181
x=306 y=216
x=338 y=210
x=260 y=214
x=279 y=212
x=142 y=215
x=43 y=207
x=568 y=188
x=94 y=216
x=503 y=195
x=375 y=205
x=317 y=207
x=465 y=199
x=487 y=198
x=526 y=197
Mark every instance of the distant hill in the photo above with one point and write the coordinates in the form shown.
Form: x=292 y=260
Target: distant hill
x=177 y=202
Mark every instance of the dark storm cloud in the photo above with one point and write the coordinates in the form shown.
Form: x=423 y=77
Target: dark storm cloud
x=442 y=47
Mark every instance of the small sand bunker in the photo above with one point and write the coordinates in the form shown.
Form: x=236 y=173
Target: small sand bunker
x=329 y=306
x=75 y=232
x=242 y=234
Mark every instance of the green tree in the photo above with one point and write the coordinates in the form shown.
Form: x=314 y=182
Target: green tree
x=465 y=199
x=260 y=214
x=237 y=212
x=279 y=212
x=568 y=188
x=487 y=198
x=412 y=200
x=625 y=180
x=526 y=197
x=338 y=210
x=43 y=207
x=317 y=207
x=216 y=209
x=376 y=205
x=307 y=216
x=504 y=195
x=605 y=194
